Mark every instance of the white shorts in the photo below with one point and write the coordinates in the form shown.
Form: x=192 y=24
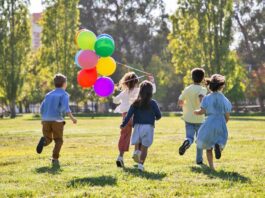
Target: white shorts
x=144 y=134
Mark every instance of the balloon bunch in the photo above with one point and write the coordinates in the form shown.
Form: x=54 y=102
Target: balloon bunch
x=96 y=62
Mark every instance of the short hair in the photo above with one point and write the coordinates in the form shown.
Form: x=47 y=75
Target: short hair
x=216 y=82
x=197 y=75
x=59 y=80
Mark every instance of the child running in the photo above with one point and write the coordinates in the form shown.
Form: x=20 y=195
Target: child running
x=190 y=100
x=55 y=104
x=144 y=112
x=213 y=132
x=130 y=91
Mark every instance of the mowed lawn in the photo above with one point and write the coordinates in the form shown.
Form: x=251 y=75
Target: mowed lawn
x=88 y=162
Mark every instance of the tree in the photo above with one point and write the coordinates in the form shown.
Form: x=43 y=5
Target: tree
x=60 y=23
x=134 y=25
x=201 y=37
x=14 y=48
x=250 y=19
x=140 y=30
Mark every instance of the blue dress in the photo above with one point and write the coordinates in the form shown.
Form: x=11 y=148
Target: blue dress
x=213 y=130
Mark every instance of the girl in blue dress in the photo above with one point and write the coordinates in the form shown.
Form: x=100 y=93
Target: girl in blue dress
x=213 y=132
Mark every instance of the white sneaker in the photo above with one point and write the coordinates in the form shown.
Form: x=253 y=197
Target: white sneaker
x=141 y=167
x=119 y=162
x=136 y=156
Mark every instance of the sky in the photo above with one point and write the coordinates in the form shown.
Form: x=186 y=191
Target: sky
x=37 y=7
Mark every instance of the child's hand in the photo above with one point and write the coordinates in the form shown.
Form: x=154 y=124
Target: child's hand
x=74 y=120
x=197 y=112
x=151 y=78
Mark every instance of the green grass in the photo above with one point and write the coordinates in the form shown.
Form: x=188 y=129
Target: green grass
x=90 y=150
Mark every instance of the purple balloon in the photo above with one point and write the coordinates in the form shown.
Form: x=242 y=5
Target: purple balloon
x=104 y=86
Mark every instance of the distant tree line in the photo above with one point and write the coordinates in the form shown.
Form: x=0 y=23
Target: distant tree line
x=198 y=34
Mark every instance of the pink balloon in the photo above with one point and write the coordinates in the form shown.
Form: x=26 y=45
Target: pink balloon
x=87 y=59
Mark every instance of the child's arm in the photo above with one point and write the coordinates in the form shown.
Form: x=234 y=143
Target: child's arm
x=157 y=111
x=180 y=103
x=117 y=99
x=201 y=97
x=66 y=108
x=42 y=107
x=128 y=117
x=152 y=80
x=182 y=98
x=70 y=115
x=227 y=117
x=200 y=111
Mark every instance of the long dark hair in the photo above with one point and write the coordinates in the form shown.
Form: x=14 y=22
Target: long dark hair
x=216 y=82
x=145 y=95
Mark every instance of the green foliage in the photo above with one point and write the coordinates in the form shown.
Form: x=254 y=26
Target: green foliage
x=250 y=20
x=14 y=48
x=60 y=23
x=201 y=37
x=136 y=26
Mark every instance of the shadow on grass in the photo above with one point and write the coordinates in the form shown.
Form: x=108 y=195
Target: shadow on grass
x=247 y=119
x=145 y=174
x=49 y=169
x=93 y=181
x=224 y=175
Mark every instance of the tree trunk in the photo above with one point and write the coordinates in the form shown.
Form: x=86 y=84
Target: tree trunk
x=20 y=107
x=12 y=109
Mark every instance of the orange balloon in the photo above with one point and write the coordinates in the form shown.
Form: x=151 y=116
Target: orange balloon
x=87 y=77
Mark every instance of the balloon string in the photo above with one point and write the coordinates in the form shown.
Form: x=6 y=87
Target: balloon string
x=130 y=67
x=132 y=79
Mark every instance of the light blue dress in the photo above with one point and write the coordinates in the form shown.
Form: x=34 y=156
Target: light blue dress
x=213 y=130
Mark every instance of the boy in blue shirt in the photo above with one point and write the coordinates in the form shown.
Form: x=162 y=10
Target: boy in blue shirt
x=53 y=107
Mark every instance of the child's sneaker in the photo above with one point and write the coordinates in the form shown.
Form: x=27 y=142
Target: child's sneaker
x=184 y=147
x=55 y=163
x=217 y=151
x=141 y=167
x=119 y=162
x=40 y=145
x=136 y=156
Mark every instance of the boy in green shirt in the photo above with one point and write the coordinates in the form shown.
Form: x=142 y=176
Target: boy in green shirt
x=190 y=100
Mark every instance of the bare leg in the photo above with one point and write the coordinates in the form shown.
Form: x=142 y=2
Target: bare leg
x=143 y=154
x=210 y=158
x=121 y=153
x=137 y=147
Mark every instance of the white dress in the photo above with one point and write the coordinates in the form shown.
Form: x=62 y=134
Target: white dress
x=126 y=98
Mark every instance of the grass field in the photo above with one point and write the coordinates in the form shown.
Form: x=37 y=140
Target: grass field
x=88 y=162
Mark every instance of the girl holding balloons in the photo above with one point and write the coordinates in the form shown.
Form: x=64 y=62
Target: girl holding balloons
x=129 y=93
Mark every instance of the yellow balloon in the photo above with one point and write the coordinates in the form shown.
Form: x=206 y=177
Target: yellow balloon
x=106 y=66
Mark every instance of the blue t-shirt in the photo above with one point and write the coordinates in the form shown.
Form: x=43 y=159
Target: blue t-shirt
x=143 y=115
x=54 y=105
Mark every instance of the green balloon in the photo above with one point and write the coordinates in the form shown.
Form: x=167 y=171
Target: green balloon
x=104 y=46
x=86 y=40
